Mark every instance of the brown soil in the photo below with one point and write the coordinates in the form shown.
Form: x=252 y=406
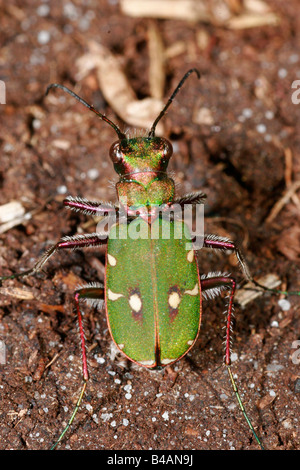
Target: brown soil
x=242 y=150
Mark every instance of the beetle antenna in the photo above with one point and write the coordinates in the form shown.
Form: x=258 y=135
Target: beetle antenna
x=163 y=112
x=120 y=134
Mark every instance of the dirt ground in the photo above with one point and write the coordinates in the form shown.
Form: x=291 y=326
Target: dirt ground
x=235 y=138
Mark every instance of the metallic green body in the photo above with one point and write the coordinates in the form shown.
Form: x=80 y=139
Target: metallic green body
x=152 y=291
x=141 y=163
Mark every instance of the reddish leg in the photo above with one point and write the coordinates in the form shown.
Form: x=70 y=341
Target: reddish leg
x=193 y=198
x=216 y=284
x=89 y=293
x=92 y=294
x=77 y=241
x=90 y=207
x=219 y=243
x=213 y=286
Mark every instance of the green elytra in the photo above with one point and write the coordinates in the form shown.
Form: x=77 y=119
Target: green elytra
x=152 y=286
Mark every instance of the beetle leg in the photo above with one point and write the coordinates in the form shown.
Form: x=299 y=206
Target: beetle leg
x=89 y=293
x=217 y=283
x=222 y=243
x=89 y=240
x=92 y=294
x=95 y=292
x=79 y=204
x=191 y=198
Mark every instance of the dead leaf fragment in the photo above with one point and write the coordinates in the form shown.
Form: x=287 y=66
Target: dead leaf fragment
x=266 y=401
x=250 y=292
x=17 y=293
x=289 y=243
x=231 y=14
x=116 y=88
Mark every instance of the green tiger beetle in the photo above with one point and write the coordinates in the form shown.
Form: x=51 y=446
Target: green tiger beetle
x=154 y=311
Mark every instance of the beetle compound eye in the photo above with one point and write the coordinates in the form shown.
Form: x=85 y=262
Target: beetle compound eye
x=115 y=152
x=168 y=149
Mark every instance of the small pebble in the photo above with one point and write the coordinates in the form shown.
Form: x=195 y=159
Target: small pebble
x=93 y=174
x=284 y=304
x=297 y=386
x=261 y=128
x=247 y=113
x=43 y=10
x=62 y=189
x=282 y=73
x=269 y=114
x=43 y=37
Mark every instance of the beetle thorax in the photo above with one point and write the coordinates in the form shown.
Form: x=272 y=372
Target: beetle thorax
x=142 y=163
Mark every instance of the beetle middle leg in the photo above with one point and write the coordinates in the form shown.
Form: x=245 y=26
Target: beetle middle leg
x=74 y=242
x=216 y=242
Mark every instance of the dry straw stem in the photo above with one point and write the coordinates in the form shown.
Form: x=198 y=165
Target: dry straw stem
x=11 y=211
x=288 y=194
x=249 y=292
x=232 y=14
x=17 y=293
x=157 y=61
x=116 y=89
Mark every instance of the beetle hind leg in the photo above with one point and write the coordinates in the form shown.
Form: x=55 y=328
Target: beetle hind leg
x=213 y=285
x=93 y=294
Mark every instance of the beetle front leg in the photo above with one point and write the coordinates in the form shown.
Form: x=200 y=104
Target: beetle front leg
x=85 y=206
x=191 y=198
x=77 y=241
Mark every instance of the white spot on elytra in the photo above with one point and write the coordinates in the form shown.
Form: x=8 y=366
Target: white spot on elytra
x=190 y=256
x=174 y=300
x=194 y=291
x=135 y=302
x=147 y=363
x=113 y=295
x=121 y=346
x=111 y=259
x=190 y=342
